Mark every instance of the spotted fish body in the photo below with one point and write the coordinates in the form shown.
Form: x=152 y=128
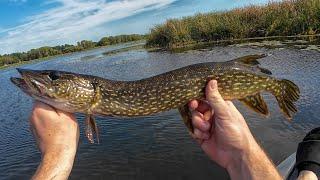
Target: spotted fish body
x=240 y=79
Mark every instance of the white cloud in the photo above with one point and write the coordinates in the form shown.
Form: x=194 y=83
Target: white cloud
x=73 y=20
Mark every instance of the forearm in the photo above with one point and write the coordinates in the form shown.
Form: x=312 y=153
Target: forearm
x=56 y=164
x=253 y=164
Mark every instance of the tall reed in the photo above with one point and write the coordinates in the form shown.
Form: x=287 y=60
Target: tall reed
x=285 y=18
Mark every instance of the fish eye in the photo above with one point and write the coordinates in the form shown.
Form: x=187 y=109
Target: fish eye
x=54 y=75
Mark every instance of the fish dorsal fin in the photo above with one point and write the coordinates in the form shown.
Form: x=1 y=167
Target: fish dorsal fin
x=250 y=59
x=264 y=70
x=256 y=103
x=251 y=62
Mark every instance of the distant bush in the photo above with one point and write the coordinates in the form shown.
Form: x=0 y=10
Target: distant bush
x=120 y=39
x=47 y=51
x=289 y=17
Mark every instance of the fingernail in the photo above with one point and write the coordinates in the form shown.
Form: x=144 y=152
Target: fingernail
x=207 y=115
x=212 y=84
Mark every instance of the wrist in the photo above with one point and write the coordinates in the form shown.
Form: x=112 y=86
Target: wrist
x=62 y=158
x=55 y=164
x=241 y=160
x=252 y=163
x=59 y=150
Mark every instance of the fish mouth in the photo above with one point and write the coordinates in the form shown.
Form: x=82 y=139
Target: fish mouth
x=32 y=82
x=21 y=83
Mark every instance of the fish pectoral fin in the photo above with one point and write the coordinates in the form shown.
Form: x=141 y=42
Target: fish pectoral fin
x=186 y=117
x=256 y=103
x=88 y=129
x=91 y=129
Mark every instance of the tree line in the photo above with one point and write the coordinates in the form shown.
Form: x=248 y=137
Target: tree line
x=277 y=18
x=48 y=51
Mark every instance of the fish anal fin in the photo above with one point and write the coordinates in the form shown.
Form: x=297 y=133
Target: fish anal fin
x=91 y=129
x=186 y=117
x=256 y=103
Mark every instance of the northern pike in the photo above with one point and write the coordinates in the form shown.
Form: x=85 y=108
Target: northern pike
x=241 y=79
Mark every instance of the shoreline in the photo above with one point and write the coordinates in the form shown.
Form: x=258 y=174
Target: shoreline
x=192 y=45
x=59 y=55
x=296 y=40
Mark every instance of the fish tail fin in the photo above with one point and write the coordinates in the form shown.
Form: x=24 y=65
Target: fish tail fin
x=286 y=93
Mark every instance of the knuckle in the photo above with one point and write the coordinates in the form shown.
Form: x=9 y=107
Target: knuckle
x=198 y=133
x=215 y=99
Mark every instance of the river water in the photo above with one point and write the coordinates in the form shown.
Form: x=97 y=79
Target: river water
x=156 y=147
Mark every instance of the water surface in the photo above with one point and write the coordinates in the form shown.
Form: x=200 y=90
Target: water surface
x=156 y=147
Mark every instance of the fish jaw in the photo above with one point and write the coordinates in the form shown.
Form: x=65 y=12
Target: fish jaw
x=35 y=89
x=21 y=83
x=63 y=90
x=32 y=82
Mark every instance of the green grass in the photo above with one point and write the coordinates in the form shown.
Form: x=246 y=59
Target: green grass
x=286 y=18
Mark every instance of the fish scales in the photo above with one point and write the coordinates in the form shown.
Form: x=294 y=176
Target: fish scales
x=173 y=89
x=241 y=79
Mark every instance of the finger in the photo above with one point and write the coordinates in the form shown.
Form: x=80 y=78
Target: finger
x=215 y=99
x=233 y=108
x=207 y=115
x=199 y=105
x=33 y=131
x=193 y=104
x=66 y=115
x=200 y=141
x=40 y=106
x=200 y=135
x=199 y=122
x=203 y=106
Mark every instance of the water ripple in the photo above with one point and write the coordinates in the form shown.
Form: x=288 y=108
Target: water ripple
x=156 y=147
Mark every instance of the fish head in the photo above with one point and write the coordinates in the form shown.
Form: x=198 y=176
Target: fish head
x=63 y=90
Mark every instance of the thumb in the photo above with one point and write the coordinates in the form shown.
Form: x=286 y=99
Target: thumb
x=215 y=99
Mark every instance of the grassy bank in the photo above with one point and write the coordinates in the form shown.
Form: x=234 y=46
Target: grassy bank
x=286 y=18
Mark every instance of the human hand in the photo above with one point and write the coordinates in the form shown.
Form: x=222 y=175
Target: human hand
x=57 y=135
x=225 y=137
x=219 y=127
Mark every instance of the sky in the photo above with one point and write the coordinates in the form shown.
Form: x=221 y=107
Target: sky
x=26 y=24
